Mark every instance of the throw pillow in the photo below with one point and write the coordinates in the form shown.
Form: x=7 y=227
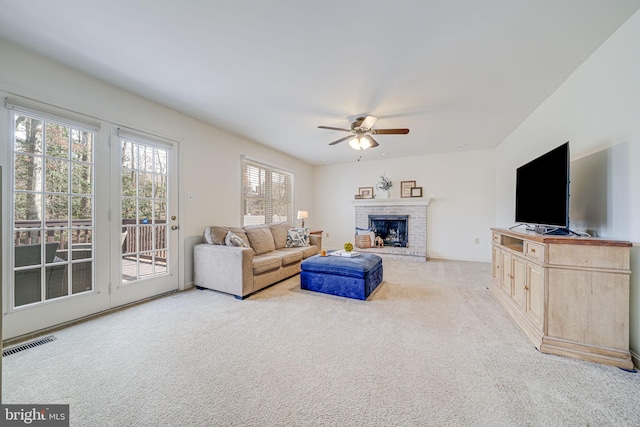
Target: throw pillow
x=260 y=238
x=280 y=231
x=215 y=235
x=232 y=239
x=298 y=237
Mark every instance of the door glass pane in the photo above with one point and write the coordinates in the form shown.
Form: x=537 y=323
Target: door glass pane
x=81 y=178
x=82 y=145
x=50 y=257
x=144 y=211
x=57 y=141
x=57 y=176
x=81 y=277
x=28 y=170
x=28 y=135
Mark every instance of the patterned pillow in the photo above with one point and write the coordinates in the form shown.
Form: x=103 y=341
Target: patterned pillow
x=232 y=239
x=298 y=237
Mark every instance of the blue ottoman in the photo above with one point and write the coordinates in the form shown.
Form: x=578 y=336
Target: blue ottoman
x=355 y=277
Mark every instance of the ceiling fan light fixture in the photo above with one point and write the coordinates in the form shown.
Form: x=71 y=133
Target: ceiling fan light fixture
x=364 y=142
x=360 y=143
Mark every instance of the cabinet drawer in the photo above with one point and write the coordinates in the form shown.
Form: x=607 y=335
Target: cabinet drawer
x=496 y=238
x=534 y=251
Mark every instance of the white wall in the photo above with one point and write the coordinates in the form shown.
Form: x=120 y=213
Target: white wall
x=460 y=185
x=597 y=109
x=209 y=157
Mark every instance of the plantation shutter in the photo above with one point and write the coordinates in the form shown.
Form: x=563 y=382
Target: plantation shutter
x=267 y=194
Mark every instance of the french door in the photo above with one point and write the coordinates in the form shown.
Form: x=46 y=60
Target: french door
x=91 y=220
x=148 y=232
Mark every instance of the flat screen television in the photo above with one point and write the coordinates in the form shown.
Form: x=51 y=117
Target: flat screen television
x=542 y=192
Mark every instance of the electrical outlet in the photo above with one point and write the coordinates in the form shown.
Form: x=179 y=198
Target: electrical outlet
x=477 y=240
x=189 y=197
x=327 y=234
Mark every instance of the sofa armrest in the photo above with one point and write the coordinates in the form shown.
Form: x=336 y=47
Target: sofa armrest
x=316 y=239
x=223 y=268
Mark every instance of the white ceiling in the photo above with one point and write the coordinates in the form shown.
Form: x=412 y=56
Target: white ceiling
x=456 y=72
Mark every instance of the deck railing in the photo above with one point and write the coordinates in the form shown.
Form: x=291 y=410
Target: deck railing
x=81 y=233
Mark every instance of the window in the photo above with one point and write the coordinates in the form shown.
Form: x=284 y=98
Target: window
x=267 y=194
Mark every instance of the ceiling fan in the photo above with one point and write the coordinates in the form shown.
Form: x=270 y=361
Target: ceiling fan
x=361 y=131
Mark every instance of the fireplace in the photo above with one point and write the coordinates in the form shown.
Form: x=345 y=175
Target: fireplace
x=392 y=229
x=414 y=208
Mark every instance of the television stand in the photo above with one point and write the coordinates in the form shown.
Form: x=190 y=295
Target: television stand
x=568 y=294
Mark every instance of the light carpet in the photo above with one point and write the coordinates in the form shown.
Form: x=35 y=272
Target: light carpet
x=431 y=347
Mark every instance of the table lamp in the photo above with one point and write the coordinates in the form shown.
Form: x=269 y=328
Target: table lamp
x=303 y=215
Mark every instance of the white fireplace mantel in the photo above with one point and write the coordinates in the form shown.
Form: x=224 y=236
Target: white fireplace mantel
x=408 y=201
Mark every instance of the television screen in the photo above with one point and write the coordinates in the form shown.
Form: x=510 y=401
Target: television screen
x=542 y=189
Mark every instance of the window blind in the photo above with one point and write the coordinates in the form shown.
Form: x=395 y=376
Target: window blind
x=267 y=194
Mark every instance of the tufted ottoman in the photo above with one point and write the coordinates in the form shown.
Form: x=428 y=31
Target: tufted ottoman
x=355 y=277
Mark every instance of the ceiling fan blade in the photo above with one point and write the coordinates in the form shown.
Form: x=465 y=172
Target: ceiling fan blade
x=390 y=131
x=332 y=128
x=341 y=139
x=374 y=143
x=368 y=122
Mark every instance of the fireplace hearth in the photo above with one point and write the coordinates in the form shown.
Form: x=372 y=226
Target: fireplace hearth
x=392 y=229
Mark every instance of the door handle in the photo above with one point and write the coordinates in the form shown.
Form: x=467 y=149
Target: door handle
x=174 y=227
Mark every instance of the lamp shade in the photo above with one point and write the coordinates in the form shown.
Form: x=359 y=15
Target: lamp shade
x=303 y=214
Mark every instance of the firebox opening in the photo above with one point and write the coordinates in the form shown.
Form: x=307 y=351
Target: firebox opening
x=392 y=229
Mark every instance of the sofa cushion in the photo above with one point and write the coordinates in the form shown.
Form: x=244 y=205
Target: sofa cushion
x=232 y=239
x=217 y=235
x=280 y=231
x=306 y=251
x=260 y=238
x=289 y=257
x=298 y=237
x=264 y=263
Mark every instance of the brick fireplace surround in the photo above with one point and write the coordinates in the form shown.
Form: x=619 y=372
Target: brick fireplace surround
x=415 y=208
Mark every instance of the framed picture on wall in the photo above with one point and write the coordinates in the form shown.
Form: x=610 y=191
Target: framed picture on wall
x=366 y=192
x=416 y=192
x=405 y=188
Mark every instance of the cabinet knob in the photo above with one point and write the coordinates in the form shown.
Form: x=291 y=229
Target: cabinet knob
x=533 y=250
x=526 y=288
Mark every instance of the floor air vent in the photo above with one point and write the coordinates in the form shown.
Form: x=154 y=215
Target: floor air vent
x=27 y=345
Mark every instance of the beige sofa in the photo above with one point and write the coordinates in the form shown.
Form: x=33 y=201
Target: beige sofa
x=241 y=261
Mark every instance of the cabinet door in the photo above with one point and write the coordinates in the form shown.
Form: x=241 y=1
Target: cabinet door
x=496 y=262
x=535 y=294
x=518 y=289
x=506 y=272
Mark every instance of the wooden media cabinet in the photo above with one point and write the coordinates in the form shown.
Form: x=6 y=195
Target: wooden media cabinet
x=570 y=295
